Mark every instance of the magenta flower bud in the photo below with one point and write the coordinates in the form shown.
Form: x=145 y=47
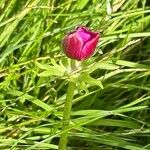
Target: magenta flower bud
x=80 y=44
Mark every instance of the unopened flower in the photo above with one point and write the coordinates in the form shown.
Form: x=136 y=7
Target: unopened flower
x=80 y=44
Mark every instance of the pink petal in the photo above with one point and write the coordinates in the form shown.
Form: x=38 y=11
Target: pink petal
x=81 y=43
x=85 y=36
x=73 y=45
x=89 y=47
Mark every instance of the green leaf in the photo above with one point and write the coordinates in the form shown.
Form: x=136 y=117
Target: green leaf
x=50 y=70
x=43 y=66
x=136 y=102
x=117 y=123
x=103 y=65
x=81 y=4
x=132 y=64
x=31 y=99
x=89 y=80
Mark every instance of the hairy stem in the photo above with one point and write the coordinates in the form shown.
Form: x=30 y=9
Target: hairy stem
x=66 y=116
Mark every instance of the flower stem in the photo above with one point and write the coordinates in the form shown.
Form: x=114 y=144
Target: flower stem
x=73 y=64
x=66 y=116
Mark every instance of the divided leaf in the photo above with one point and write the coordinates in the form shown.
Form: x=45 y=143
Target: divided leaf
x=90 y=80
x=50 y=70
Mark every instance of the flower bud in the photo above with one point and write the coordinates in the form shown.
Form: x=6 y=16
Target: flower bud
x=80 y=44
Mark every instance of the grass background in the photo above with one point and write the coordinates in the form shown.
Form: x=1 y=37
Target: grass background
x=33 y=81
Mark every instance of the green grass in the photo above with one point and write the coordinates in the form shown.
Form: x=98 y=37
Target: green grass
x=109 y=113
